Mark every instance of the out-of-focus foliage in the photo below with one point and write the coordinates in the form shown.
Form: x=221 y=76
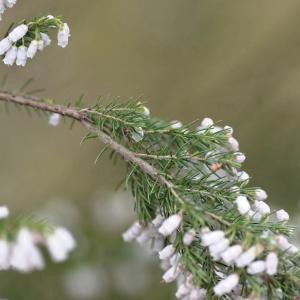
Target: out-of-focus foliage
x=233 y=61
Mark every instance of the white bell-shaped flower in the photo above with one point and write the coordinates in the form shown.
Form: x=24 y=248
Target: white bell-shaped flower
x=18 y=33
x=5 y=45
x=63 y=36
x=226 y=285
x=170 y=225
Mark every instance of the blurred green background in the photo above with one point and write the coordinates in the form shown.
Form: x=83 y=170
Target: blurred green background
x=235 y=61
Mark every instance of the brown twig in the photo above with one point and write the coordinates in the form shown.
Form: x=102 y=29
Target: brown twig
x=80 y=116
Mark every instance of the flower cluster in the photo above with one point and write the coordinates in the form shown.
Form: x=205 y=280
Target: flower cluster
x=19 y=250
x=4 y=4
x=159 y=236
x=25 y=40
x=234 y=255
x=222 y=224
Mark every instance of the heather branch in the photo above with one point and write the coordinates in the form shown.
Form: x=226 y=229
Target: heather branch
x=80 y=116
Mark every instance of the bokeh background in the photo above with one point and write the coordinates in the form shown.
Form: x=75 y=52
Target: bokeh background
x=235 y=61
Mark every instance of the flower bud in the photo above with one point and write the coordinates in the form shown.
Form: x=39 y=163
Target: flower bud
x=226 y=285
x=167 y=252
x=247 y=257
x=240 y=157
x=171 y=274
x=231 y=254
x=243 y=205
x=256 y=267
x=54 y=119
x=170 y=225
x=207 y=122
x=4 y=212
x=211 y=237
x=21 y=56
x=63 y=36
x=262 y=207
x=260 y=195
x=271 y=263
x=189 y=237
x=282 y=215
x=32 y=49
x=18 y=33
x=233 y=143
x=218 y=247
x=5 y=45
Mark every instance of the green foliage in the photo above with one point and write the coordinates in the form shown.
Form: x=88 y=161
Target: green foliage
x=201 y=168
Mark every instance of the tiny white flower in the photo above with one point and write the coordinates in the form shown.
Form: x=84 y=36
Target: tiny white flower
x=32 y=49
x=207 y=122
x=5 y=45
x=189 y=237
x=40 y=45
x=18 y=259
x=167 y=252
x=231 y=254
x=293 y=249
x=229 y=130
x=260 y=195
x=284 y=245
x=171 y=274
x=243 y=176
x=145 y=236
x=46 y=39
x=54 y=119
x=59 y=244
x=170 y=225
x=262 y=207
x=50 y=17
x=63 y=36
x=176 y=124
x=175 y=259
x=25 y=256
x=182 y=291
x=282 y=242
x=256 y=267
x=233 y=143
x=255 y=216
x=138 y=134
x=4 y=212
x=271 y=263
x=226 y=285
x=158 y=220
x=18 y=33
x=197 y=294
x=243 y=204
x=146 y=111
x=10 y=3
x=21 y=56
x=211 y=238
x=132 y=232
x=248 y=256
x=282 y=215
x=217 y=248
x=10 y=56
x=240 y=157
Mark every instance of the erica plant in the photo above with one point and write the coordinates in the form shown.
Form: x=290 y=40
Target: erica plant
x=215 y=236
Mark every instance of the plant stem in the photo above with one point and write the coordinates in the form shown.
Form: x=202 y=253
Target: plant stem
x=80 y=116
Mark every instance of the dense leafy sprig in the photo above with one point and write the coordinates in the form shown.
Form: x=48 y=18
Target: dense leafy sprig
x=202 y=167
x=216 y=236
